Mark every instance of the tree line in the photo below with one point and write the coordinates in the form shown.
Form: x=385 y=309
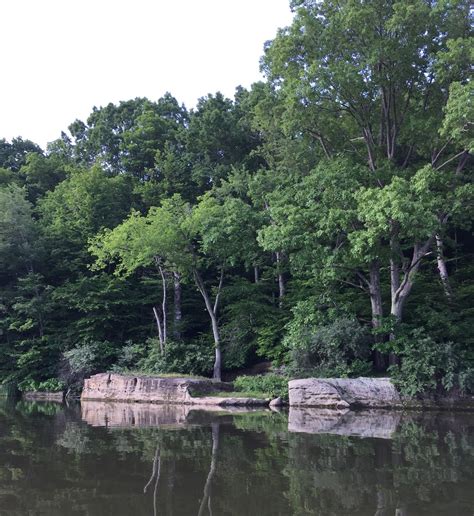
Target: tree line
x=320 y=219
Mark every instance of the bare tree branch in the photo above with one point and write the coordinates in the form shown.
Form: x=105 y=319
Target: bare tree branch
x=450 y=159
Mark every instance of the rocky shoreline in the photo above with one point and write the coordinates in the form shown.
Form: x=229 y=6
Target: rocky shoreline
x=324 y=393
x=149 y=389
x=366 y=393
x=338 y=394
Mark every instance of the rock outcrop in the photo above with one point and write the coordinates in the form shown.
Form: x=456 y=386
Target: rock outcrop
x=276 y=402
x=356 y=393
x=344 y=393
x=188 y=391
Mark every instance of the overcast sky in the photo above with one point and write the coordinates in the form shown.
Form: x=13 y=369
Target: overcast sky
x=62 y=57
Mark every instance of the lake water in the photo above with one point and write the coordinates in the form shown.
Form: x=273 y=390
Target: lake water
x=132 y=460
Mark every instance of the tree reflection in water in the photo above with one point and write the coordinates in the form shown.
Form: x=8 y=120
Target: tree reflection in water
x=155 y=475
x=212 y=469
x=53 y=463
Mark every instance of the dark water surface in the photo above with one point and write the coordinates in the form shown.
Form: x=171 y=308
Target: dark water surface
x=99 y=460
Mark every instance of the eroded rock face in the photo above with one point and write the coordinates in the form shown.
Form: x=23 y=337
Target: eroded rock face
x=117 y=387
x=188 y=391
x=354 y=393
x=344 y=393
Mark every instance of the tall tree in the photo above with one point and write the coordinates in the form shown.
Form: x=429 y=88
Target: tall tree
x=13 y=155
x=373 y=90
x=195 y=242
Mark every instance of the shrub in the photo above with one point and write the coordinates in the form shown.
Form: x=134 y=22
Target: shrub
x=130 y=355
x=338 y=348
x=36 y=360
x=90 y=356
x=271 y=384
x=51 y=385
x=195 y=357
x=84 y=359
x=427 y=365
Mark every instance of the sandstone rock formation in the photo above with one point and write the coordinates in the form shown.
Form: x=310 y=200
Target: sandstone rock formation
x=356 y=393
x=344 y=393
x=117 y=387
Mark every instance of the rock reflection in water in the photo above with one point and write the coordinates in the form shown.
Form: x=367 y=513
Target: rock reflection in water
x=368 y=423
x=98 y=413
x=425 y=468
x=177 y=461
x=143 y=415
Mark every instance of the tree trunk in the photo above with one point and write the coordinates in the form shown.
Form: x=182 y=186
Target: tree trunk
x=281 y=278
x=377 y=311
x=160 y=330
x=177 y=306
x=160 y=319
x=401 y=289
x=212 y=311
x=375 y=294
x=402 y=286
x=395 y=257
x=394 y=284
x=442 y=268
x=217 y=343
x=163 y=306
x=256 y=274
x=216 y=375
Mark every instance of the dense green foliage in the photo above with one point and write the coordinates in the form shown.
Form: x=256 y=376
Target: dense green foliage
x=341 y=348
x=321 y=220
x=272 y=385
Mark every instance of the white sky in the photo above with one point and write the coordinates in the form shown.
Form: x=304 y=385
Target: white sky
x=62 y=57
